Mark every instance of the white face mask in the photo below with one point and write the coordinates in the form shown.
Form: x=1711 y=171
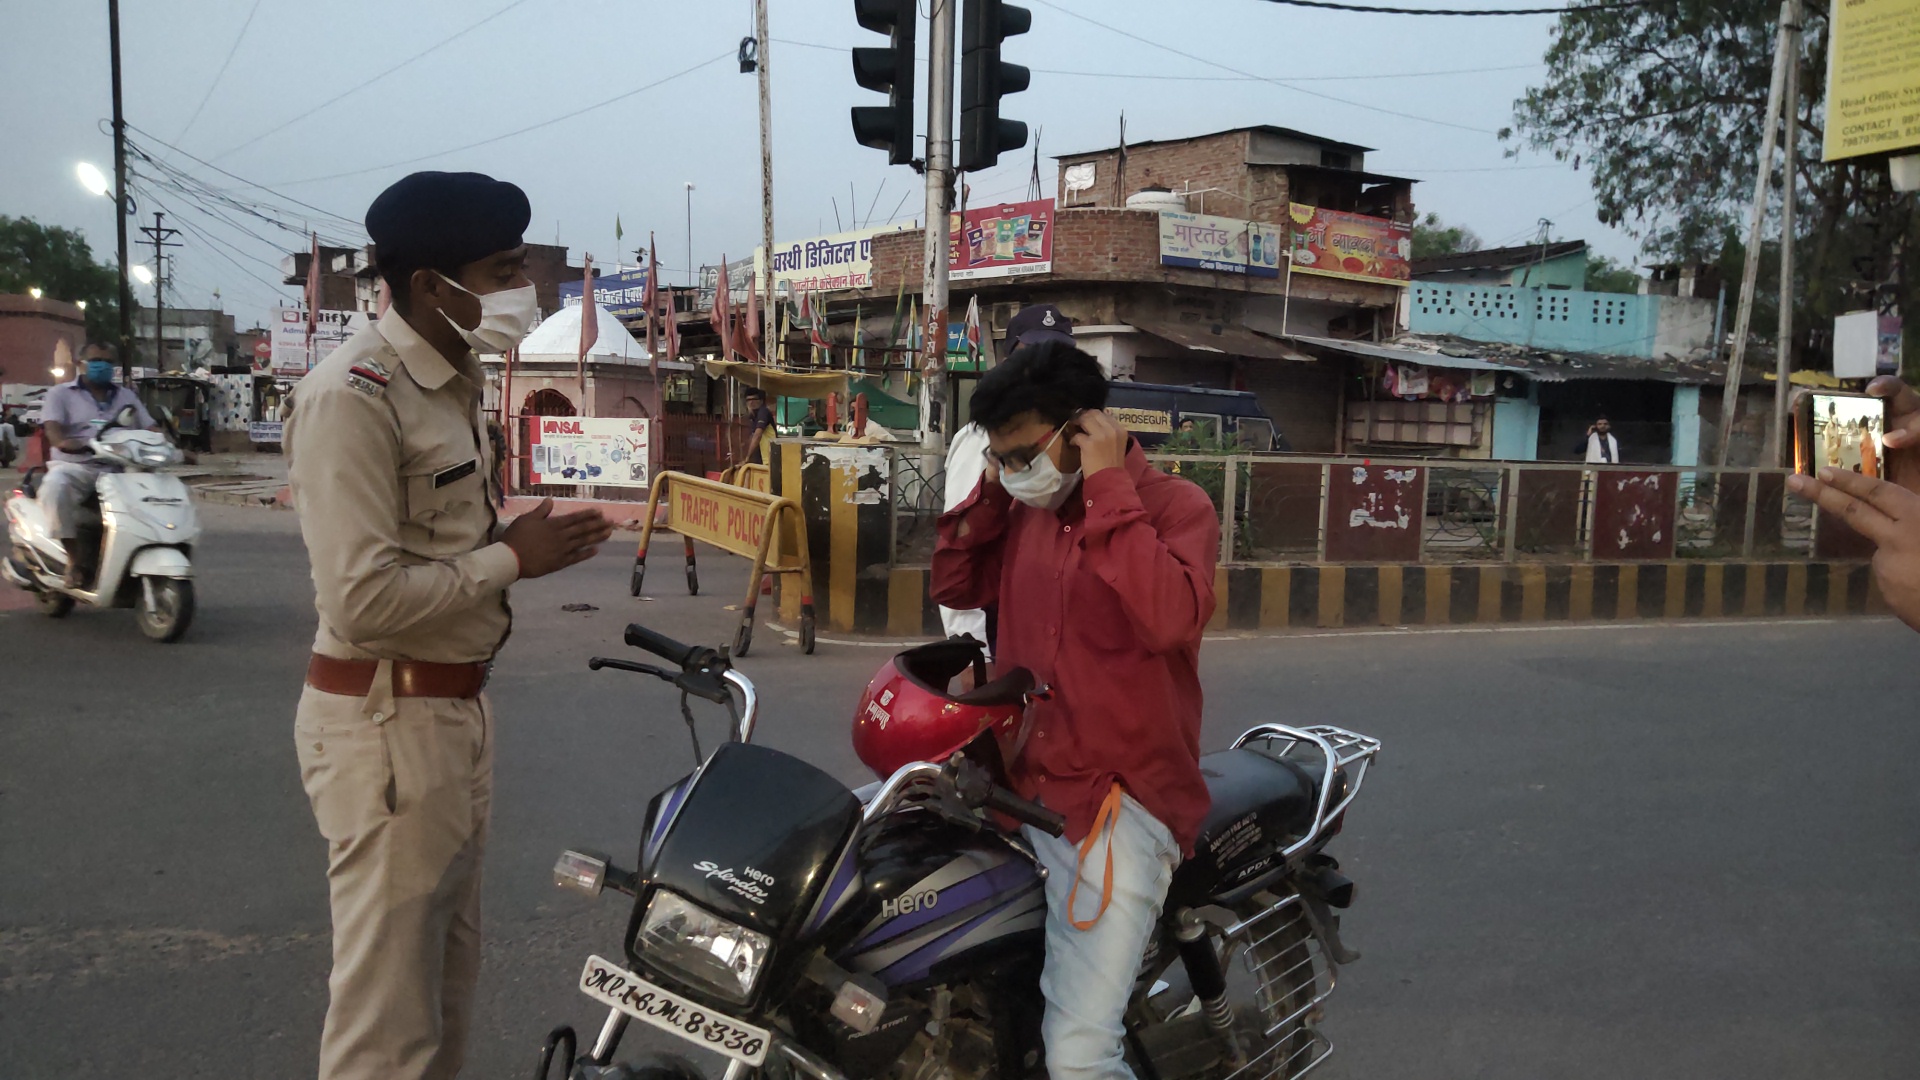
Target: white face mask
x=1041 y=484
x=505 y=318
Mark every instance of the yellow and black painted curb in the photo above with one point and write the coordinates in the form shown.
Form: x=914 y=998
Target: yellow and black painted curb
x=1313 y=596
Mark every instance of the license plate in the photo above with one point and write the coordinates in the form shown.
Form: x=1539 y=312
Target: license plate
x=611 y=984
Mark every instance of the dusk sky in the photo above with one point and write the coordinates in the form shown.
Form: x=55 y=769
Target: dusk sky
x=1428 y=93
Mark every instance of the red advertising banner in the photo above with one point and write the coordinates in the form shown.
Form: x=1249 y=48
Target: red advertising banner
x=1351 y=246
x=1633 y=514
x=1005 y=240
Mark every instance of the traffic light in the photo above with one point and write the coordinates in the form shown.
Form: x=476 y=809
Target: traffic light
x=886 y=127
x=985 y=79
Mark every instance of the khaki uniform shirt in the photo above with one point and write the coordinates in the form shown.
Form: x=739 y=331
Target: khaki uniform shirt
x=390 y=468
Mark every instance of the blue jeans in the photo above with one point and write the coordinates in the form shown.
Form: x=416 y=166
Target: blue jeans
x=1089 y=974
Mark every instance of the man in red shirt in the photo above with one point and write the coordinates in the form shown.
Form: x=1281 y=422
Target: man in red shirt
x=1102 y=567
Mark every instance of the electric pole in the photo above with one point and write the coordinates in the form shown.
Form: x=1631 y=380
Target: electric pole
x=120 y=199
x=159 y=235
x=768 y=322
x=933 y=363
x=1783 y=346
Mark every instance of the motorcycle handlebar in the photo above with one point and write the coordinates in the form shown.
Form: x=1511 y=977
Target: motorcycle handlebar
x=1000 y=800
x=659 y=645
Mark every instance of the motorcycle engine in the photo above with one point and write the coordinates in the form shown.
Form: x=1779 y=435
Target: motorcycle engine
x=958 y=1047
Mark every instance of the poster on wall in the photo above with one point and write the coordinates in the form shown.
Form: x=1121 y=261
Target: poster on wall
x=1006 y=240
x=610 y=451
x=1351 y=246
x=1229 y=245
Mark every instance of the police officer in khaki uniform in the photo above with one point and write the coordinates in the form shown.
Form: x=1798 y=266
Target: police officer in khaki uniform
x=391 y=468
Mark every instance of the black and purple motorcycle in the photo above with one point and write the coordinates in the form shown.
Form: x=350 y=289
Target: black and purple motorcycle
x=798 y=928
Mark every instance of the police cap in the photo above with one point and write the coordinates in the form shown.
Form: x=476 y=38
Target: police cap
x=447 y=219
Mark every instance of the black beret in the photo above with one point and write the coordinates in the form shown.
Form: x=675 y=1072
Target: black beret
x=447 y=219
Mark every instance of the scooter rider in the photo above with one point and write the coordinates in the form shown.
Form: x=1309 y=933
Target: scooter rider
x=1102 y=567
x=73 y=414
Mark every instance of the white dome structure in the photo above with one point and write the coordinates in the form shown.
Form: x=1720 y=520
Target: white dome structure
x=558 y=338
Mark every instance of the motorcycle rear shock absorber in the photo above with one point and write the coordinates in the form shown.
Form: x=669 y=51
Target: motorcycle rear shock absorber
x=1209 y=982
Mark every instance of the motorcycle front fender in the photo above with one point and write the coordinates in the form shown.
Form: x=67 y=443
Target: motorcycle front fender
x=166 y=562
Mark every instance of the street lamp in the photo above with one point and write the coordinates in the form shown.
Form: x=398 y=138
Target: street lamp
x=34 y=292
x=93 y=179
x=140 y=273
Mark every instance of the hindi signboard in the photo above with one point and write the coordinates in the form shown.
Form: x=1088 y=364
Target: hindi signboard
x=621 y=292
x=1351 y=246
x=266 y=431
x=1873 y=78
x=1229 y=245
x=841 y=260
x=1006 y=240
x=609 y=451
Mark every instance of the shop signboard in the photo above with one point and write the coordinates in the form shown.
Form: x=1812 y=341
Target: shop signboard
x=842 y=260
x=1228 y=245
x=1873 y=78
x=607 y=451
x=292 y=356
x=1351 y=246
x=1004 y=240
x=622 y=292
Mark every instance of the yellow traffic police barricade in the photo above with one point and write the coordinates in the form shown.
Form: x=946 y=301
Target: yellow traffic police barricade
x=737 y=519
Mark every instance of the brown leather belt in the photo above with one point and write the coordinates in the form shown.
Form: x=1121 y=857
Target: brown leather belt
x=411 y=678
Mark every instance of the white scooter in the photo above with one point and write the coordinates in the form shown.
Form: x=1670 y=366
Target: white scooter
x=143 y=534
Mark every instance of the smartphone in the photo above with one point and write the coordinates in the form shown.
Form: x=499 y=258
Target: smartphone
x=1839 y=430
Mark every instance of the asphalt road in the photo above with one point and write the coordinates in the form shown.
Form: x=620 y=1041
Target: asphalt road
x=1651 y=851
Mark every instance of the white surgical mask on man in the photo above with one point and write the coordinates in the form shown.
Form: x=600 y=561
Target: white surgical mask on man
x=1041 y=484
x=505 y=317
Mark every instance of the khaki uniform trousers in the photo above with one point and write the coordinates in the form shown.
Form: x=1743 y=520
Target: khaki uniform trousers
x=403 y=799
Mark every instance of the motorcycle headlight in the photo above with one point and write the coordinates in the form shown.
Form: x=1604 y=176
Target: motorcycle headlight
x=154 y=455
x=702 y=947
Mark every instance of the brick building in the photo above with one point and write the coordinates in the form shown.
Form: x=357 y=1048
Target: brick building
x=30 y=331
x=1155 y=321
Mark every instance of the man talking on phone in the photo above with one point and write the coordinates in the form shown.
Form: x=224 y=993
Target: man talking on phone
x=1102 y=568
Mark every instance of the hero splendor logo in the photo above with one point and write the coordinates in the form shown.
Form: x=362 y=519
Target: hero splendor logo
x=749 y=883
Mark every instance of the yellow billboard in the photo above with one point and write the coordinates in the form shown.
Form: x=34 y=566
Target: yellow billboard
x=1873 y=78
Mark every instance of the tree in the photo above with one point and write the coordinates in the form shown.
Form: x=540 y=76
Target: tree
x=1663 y=105
x=1606 y=275
x=58 y=262
x=1432 y=237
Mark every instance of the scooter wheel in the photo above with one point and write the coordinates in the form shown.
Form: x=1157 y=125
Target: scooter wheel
x=165 y=619
x=55 y=605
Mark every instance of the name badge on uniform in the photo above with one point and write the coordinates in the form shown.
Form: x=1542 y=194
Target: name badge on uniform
x=458 y=472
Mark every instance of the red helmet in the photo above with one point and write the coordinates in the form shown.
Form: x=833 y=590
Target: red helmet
x=907 y=715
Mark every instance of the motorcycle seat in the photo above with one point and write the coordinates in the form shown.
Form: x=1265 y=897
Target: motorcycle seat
x=1278 y=793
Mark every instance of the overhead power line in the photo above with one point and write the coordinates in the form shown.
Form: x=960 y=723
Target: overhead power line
x=1217 y=78
x=243 y=181
x=1285 y=84
x=221 y=74
x=362 y=84
x=727 y=54
x=1367 y=9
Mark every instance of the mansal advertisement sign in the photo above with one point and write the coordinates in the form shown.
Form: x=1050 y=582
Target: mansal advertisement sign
x=1351 y=246
x=610 y=451
x=1003 y=240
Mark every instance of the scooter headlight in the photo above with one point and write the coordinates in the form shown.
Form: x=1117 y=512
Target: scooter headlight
x=702 y=947
x=155 y=454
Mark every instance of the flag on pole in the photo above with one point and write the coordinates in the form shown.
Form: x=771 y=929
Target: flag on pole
x=803 y=315
x=779 y=350
x=750 y=333
x=899 y=315
x=313 y=297
x=618 y=232
x=859 y=358
x=722 y=300
x=672 y=328
x=589 y=331
x=650 y=303
x=817 y=330
x=973 y=328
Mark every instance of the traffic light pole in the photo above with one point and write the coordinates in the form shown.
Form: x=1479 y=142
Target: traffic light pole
x=769 y=348
x=933 y=362
x=121 y=202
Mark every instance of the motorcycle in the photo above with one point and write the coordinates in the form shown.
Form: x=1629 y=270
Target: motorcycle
x=141 y=524
x=799 y=928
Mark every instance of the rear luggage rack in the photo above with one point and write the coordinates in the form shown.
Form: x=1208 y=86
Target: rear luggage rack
x=1287 y=988
x=1343 y=751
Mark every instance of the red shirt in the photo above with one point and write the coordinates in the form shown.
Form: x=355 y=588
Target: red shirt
x=1104 y=601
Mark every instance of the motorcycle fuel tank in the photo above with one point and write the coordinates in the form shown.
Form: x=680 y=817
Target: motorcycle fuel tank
x=933 y=898
x=753 y=836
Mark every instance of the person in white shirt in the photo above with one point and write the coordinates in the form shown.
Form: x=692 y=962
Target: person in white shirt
x=1600 y=445
x=967 y=454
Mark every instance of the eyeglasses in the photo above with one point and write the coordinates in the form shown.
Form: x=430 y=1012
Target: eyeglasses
x=1021 y=458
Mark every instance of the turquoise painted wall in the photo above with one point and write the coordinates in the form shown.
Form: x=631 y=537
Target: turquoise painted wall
x=1615 y=324
x=1516 y=427
x=1565 y=272
x=1686 y=425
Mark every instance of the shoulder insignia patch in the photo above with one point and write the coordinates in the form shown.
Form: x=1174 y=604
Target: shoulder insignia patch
x=368 y=376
